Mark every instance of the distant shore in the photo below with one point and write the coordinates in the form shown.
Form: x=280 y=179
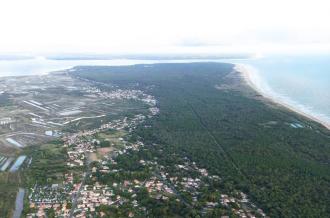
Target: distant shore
x=248 y=77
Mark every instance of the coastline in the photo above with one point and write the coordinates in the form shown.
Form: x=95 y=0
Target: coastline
x=248 y=78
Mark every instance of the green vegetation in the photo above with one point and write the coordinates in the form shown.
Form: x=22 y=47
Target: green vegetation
x=9 y=183
x=48 y=163
x=111 y=138
x=284 y=169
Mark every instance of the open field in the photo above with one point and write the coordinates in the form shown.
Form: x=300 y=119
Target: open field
x=43 y=108
x=37 y=111
x=40 y=107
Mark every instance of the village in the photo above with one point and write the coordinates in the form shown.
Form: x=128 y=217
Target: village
x=89 y=196
x=73 y=196
x=102 y=172
x=86 y=195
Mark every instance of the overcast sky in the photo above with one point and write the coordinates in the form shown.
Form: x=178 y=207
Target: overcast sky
x=163 y=26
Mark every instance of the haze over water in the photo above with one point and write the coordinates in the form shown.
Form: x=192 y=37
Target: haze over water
x=41 y=65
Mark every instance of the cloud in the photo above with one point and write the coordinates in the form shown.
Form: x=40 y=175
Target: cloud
x=194 y=42
x=150 y=25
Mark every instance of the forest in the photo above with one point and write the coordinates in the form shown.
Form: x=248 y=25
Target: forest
x=208 y=114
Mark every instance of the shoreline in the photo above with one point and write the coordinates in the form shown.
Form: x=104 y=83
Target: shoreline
x=247 y=76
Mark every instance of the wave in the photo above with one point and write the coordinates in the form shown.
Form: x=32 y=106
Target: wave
x=253 y=78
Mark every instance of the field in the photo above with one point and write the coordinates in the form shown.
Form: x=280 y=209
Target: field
x=47 y=165
x=35 y=112
x=37 y=109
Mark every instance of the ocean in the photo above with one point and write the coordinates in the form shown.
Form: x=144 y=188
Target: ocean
x=301 y=81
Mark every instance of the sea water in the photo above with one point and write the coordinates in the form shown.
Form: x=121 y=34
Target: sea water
x=301 y=81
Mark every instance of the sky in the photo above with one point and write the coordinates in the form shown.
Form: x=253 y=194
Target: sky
x=149 y=26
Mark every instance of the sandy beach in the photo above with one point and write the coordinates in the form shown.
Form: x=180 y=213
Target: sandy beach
x=251 y=80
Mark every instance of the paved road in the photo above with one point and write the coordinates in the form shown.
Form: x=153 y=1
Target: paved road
x=76 y=196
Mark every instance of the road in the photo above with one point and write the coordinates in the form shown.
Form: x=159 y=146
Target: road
x=76 y=196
